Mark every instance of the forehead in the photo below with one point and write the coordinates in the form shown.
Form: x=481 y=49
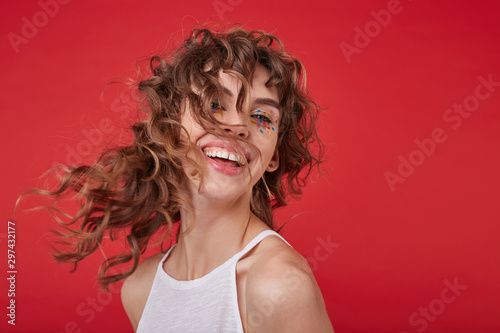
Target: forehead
x=258 y=89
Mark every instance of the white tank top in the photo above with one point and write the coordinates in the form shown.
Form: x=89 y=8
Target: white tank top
x=208 y=304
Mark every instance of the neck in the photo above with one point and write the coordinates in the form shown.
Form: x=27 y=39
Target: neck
x=211 y=234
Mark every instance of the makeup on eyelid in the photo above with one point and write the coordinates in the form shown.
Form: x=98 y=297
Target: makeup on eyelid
x=216 y=108
x=264 y=123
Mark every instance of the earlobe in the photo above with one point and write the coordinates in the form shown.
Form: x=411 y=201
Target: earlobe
x=274 y=163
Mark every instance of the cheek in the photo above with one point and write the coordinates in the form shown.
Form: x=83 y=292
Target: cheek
x=192 y=131
x=266 y=143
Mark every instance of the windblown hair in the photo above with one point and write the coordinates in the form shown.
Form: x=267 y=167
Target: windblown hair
x=138 y=189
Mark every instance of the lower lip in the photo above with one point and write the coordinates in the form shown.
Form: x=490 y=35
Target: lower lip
x=227 y=170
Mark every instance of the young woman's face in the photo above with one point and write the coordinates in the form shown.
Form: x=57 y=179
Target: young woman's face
x=233 y=168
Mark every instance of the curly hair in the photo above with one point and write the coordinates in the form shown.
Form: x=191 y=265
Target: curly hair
x=137 y=188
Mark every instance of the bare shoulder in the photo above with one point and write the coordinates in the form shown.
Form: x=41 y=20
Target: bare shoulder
x=281 y=292
x=136 y=288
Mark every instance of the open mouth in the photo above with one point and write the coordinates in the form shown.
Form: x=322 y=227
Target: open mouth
x=225 y=157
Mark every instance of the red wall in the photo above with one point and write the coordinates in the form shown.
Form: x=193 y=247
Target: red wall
x=402 y=234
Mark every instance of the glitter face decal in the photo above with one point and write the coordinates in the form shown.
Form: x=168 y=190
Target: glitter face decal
x=216 y=108
x=264 y=122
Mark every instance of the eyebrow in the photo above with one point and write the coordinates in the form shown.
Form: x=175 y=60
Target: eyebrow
x=227 y=91
x=267 y=101
x=260 y=101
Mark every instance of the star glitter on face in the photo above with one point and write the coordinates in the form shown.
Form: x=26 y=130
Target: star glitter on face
x=264 y=122
x=216 y=108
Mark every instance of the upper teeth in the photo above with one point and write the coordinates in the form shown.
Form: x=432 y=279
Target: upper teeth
x=222 y=153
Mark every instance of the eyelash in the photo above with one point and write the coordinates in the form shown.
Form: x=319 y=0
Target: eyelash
x=216 y=106
x=260 y=116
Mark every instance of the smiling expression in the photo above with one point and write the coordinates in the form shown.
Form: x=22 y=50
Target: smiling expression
x=236 y=165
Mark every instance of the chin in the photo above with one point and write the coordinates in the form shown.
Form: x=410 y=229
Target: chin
x=224 y=191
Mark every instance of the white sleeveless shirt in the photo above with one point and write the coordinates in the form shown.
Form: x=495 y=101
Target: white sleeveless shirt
x=208 y=304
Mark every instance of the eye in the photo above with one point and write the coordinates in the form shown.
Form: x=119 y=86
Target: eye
x=261 y=117
x=216 y=108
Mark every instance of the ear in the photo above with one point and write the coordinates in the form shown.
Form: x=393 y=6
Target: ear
x=275 y=162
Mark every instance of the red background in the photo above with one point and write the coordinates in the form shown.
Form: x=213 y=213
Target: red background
x=393 y=249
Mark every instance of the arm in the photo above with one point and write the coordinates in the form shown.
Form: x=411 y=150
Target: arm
x=283 y=296
x=136 y=288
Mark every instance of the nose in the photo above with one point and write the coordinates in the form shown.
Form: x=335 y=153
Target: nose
x=237 y=130
x=234 y=124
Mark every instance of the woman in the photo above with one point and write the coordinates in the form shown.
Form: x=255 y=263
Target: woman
x=230 y=132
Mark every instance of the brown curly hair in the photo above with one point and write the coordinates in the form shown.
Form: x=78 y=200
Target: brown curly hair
x=137 y=188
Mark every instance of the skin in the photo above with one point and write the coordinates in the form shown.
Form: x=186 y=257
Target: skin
x=276 y=289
